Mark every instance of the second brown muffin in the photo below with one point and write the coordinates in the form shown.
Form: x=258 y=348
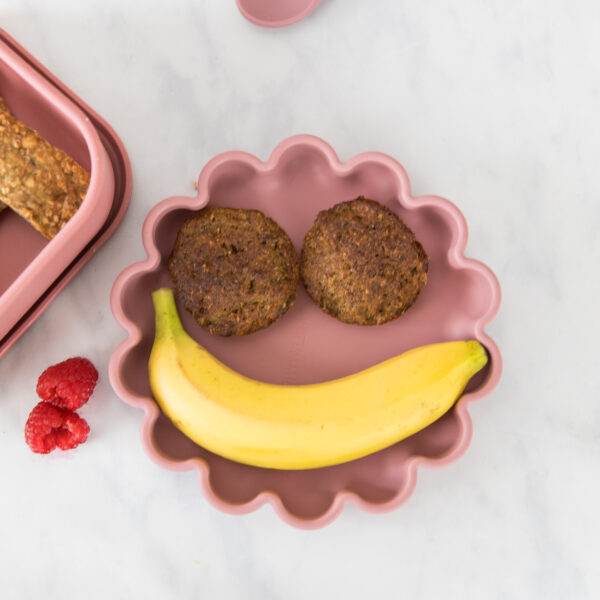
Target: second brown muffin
x=235 y=270
x=361 y=264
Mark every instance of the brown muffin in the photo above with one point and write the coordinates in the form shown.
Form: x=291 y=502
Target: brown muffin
x=234 y=270
x=361 y=264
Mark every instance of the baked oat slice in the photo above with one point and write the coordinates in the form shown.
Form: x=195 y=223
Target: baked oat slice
x=38 y=181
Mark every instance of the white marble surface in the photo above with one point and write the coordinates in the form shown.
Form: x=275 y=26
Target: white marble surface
x=492 y=104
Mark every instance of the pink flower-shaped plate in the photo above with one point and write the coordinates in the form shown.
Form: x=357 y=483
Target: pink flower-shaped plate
x=303 y=176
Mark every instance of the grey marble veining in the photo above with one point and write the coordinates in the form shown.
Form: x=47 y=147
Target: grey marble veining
x=493 y=105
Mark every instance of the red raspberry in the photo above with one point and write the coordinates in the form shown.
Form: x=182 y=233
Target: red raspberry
x=49 y=426
x=68 y=384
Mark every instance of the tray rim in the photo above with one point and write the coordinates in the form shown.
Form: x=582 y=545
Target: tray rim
x=121 y=164
x=54 y=257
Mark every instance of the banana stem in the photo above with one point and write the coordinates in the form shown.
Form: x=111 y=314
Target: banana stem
x=167 y=320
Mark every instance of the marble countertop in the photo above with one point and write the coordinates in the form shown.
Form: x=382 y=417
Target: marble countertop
x=494 y=105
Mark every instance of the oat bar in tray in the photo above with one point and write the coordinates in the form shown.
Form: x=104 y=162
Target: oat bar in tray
x=37 y=181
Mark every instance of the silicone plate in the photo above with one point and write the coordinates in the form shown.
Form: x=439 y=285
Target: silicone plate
x=27 y=274
x=303 y=176
x=122 y=177
x=276 y=13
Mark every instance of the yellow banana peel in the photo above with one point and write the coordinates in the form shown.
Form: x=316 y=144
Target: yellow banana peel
x=301 y=426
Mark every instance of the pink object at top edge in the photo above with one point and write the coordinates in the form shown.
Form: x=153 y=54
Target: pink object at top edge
x=276 y=13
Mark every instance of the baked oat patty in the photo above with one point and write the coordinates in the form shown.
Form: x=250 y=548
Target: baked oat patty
x=235 y=270
x=361 y=264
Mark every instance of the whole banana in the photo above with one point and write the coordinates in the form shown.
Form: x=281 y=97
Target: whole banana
x=301 y=426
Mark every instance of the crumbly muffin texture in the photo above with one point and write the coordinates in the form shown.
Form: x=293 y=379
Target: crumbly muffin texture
x=235 y=270
x=361 y=264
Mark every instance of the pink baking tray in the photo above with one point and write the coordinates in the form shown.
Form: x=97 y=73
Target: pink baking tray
x=27 y=273
x=302 y=176
x=71 y=259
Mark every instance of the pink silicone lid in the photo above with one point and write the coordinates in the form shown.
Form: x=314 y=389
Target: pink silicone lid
x=122 y=192
x=276 y=13
x=25 y=275
x=302 y=176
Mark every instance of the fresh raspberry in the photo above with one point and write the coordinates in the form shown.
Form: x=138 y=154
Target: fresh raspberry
x=49 y=426
x=68 y=384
